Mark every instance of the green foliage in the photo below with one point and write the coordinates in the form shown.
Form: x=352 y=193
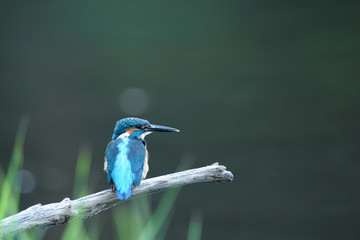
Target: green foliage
x=76 y=229
x=10 y=183
x=195 y=227
x=133 y=219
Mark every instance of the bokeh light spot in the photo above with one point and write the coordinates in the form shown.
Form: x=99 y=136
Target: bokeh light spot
x=27 y=181
x=134 y=101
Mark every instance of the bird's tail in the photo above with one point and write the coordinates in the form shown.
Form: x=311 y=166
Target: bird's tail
x=123 y=194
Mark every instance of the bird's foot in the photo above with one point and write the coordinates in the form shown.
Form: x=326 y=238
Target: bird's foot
x=113 y=188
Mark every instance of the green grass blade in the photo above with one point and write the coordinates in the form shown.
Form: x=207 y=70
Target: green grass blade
x=195 y=227
x=76 y=229
x=160 y=215
x=10 y=196
x=82 y=172
x=156 y=224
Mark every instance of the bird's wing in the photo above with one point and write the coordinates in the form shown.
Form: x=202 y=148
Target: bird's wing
x=137 y=155
x=110 y=155
x=125 y=158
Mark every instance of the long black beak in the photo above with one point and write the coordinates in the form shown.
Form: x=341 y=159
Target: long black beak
x=158 y=128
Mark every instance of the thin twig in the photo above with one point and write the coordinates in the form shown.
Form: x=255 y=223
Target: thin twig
x=44 y=216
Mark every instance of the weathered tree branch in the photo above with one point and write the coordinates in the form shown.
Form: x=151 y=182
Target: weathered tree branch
x=44 y=216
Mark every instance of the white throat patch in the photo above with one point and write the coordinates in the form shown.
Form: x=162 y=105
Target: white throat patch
x=125 y=134
x=143 y=135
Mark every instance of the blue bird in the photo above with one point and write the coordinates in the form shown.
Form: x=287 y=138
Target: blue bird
x=126 y=156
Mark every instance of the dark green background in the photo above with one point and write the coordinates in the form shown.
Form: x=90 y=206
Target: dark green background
x=268 y=88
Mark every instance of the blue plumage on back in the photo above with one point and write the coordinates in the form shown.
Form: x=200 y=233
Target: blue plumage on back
x=125 y=154
x=125 y=157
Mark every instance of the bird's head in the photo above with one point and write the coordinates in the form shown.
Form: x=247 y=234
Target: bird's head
x=137 y=128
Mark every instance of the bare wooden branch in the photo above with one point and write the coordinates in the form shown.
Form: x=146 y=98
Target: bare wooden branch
x=44 y=216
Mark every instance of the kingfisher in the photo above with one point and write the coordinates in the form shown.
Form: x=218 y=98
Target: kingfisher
x=126 y=156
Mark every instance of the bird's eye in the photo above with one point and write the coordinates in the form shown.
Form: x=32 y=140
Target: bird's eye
x=138 y=126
